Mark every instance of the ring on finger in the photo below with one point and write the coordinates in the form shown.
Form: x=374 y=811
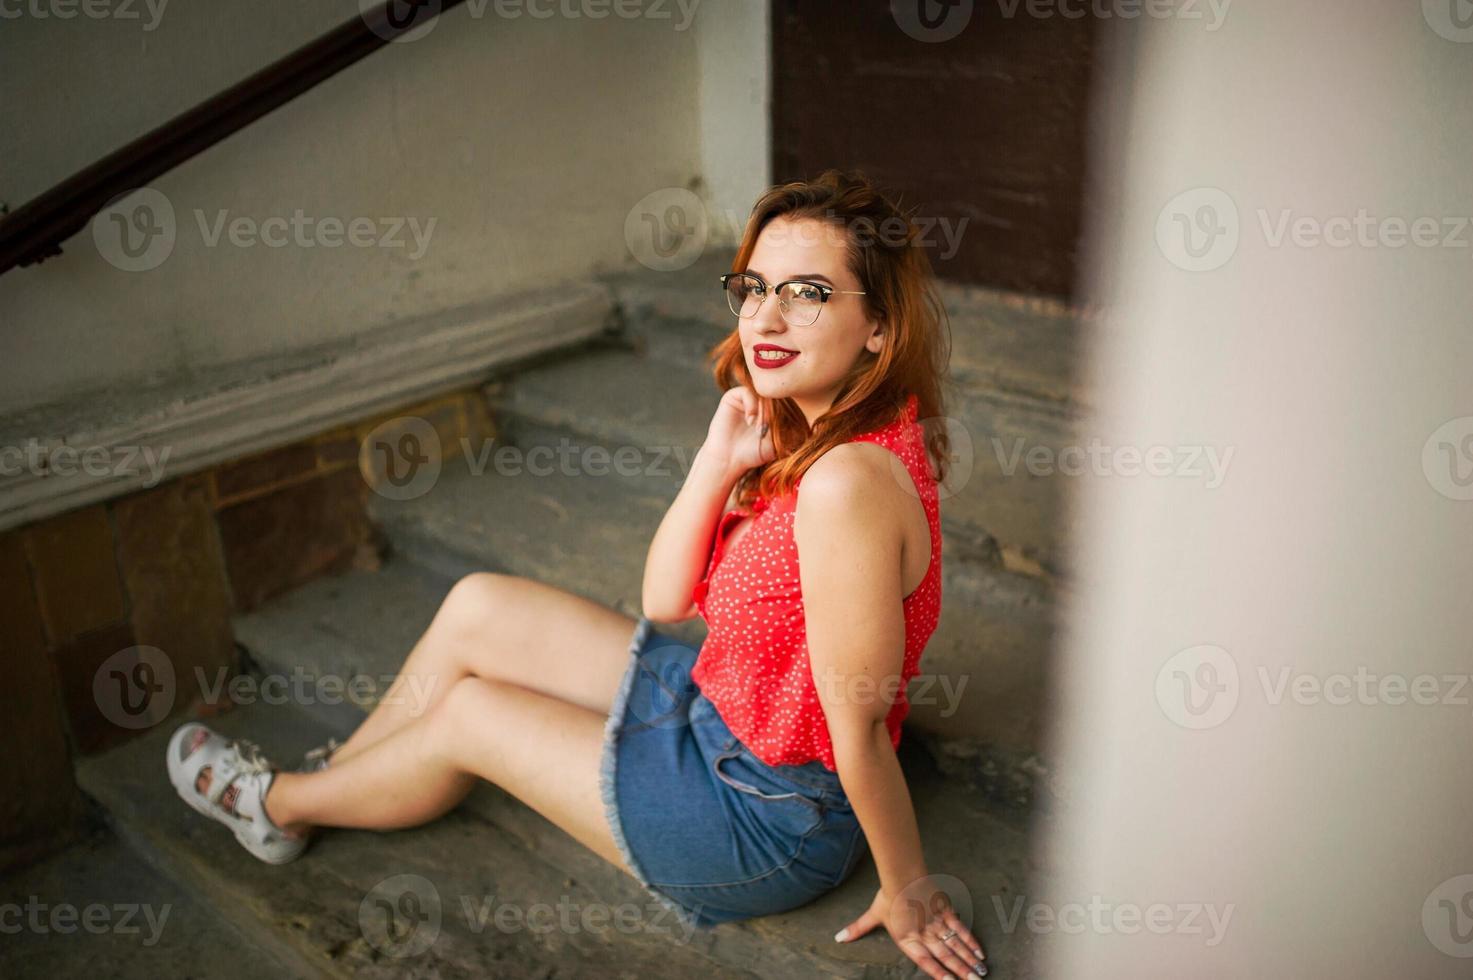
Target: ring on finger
x=948 y=935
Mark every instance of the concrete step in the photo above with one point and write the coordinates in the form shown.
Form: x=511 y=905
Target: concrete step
x=357 y=626
x=590 y=534
x=996 y=510
x=472 y=879
x=1002 y=341
x=98 y=909
x=584 y=532
x=1005 y=520
x=1010 y=387
x=366 y=622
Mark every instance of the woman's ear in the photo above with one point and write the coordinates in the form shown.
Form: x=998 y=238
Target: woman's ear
x=876 y=340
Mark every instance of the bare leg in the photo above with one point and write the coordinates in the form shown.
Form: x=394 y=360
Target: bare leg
x=541 y=749
x=511 y=629
x=565 y=653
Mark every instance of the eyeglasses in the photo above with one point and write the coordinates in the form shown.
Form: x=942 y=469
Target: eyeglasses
x=798 y=300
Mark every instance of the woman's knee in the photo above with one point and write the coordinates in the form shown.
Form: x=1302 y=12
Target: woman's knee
x=453 y=721
x=474 y=600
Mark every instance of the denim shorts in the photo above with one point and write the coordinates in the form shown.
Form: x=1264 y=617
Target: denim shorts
x=714 y=833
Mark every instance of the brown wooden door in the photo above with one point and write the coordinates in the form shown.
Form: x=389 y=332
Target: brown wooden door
x=986 y=127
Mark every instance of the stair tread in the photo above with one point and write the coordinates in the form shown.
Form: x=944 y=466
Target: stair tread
x=1009 y=341
x=645 y=407
x=355 y=624
x=323 y=904
x=965 y=835
x=149 y=926
x=590 y=534
x=553 y=527
x=618 y=398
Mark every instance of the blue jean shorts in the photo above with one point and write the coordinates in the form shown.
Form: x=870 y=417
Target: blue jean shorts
x=714 y=833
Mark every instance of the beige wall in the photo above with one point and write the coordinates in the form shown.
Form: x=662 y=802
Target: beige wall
x=1260 y=711
x=524 y=141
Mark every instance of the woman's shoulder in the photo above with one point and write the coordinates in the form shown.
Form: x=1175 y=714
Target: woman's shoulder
x=848 y=462
x=852 y=477
x=875 y=461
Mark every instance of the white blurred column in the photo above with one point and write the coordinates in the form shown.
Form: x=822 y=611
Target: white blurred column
x=1264 y=719
x=734 y=44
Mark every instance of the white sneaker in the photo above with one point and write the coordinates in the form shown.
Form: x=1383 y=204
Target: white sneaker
x=236 y=763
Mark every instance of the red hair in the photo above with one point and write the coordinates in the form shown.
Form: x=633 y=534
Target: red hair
x=900 y=290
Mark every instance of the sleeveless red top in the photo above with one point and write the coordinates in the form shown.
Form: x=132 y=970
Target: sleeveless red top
x=753 y=666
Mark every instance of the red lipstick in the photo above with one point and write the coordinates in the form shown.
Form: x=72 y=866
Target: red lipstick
x=772 y=361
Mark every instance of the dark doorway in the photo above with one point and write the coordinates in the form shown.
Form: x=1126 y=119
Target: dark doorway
x=986 y=126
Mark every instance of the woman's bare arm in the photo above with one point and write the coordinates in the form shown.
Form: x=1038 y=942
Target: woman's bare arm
x=736 y=441
x=850 y=542
x=681 y=547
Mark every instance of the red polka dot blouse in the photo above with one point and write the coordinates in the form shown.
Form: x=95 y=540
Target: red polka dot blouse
x=754 y=666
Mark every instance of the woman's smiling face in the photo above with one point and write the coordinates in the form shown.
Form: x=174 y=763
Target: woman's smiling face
x=827 y=349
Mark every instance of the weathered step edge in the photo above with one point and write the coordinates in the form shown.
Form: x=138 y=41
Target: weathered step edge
x=202 y=858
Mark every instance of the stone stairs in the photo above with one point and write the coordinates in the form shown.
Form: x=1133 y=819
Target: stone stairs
x=99 y=909
x=526 y=514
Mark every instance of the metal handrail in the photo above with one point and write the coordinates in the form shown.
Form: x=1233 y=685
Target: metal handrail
x=35 y=231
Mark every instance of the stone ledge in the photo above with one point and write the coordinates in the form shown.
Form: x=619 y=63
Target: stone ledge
x=212 y=416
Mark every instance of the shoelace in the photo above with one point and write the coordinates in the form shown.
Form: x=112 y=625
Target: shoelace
x=323 y=751
x=252 y=759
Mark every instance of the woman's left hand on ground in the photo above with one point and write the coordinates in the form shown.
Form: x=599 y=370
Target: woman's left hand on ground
x=925 y=926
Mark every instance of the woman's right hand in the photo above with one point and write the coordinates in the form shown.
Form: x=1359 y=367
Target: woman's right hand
x=739 y=433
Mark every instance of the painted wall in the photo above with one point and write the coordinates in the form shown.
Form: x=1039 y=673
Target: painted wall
x=493 y=154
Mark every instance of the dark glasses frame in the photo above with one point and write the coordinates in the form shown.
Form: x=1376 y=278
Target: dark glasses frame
x=824 y=292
